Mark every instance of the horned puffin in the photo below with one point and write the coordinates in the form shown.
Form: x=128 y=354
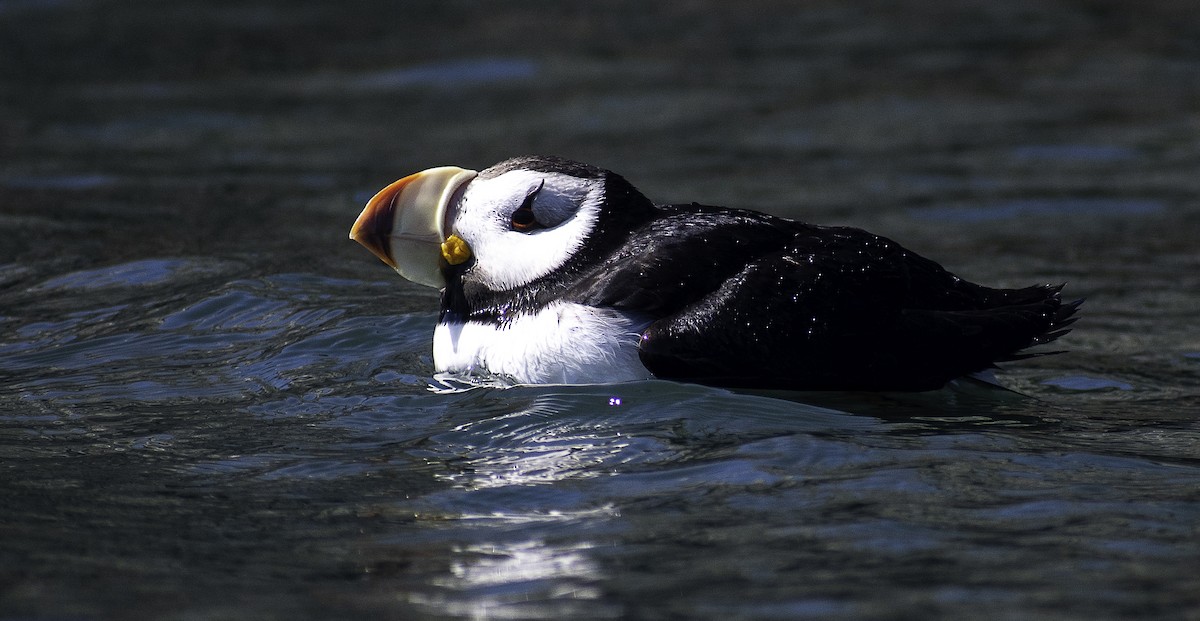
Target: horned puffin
x=554 y=271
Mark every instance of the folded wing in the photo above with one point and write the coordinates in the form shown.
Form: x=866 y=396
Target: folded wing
x=753 y=301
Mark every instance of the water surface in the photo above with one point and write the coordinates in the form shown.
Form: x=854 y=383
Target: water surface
x=192 y=430
x=213 y=405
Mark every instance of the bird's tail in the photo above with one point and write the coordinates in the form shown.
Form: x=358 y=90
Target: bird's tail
x=1061 y=315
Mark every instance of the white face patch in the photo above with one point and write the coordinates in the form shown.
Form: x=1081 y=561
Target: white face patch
x=565 y=209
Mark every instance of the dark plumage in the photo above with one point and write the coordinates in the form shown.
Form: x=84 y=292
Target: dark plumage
x=744 y=299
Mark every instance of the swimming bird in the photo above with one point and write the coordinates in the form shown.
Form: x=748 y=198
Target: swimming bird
x=555 y=271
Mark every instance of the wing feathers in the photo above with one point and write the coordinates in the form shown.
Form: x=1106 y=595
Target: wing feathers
x=842 y=309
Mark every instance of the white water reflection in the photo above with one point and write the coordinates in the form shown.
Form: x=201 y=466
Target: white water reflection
x=539 y=444
x=529 y=579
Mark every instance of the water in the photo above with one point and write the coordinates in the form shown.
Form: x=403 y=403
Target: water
x=197 y=441
x=213 y=405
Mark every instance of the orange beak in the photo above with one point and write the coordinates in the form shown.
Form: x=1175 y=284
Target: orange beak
x=373 y=228
x=405 y=223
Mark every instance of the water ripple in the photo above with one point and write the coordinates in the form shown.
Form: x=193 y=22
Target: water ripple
x=300 y=406
x=1024 y=208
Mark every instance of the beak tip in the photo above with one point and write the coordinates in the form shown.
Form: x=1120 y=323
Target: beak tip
x=377 y=244
x=373 y=228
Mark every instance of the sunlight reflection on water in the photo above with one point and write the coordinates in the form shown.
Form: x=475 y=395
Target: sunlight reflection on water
x=486 y=501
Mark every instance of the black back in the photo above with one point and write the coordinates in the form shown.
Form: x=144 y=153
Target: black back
x=739 y=298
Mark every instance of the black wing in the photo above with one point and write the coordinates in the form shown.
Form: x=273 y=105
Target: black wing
x=742 y=299
x=675 y=260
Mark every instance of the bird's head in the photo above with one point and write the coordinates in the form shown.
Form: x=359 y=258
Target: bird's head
x=515 y=222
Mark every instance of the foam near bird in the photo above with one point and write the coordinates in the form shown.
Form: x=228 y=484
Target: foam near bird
x=554 y=271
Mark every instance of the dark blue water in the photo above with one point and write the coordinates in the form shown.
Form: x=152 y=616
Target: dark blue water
x=180 y=437
x=215 y=406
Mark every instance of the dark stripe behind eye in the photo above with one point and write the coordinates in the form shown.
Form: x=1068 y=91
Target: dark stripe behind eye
x=523 y=219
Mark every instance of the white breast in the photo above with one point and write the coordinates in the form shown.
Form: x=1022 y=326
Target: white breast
x=561 y=344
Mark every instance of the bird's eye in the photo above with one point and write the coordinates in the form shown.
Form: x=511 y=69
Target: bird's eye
x=523 y=219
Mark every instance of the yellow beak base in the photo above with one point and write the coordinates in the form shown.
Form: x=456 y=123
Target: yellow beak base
x=455 y=250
